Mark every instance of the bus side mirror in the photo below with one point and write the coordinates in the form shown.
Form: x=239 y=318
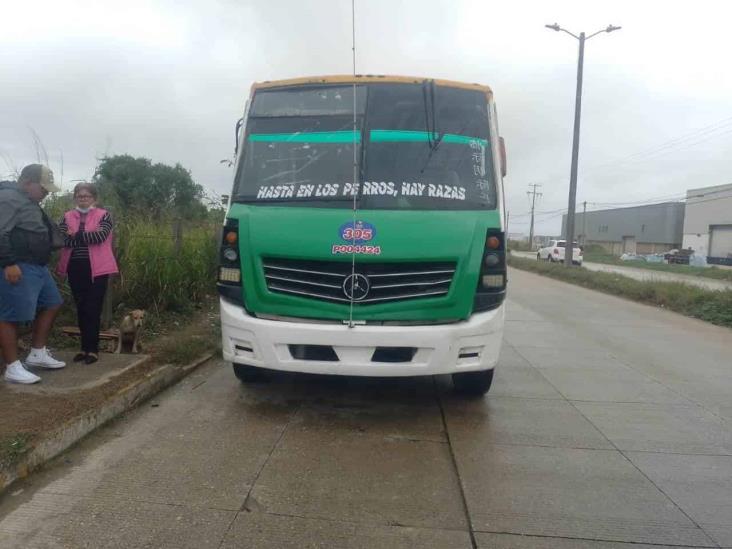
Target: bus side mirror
x=502 y=149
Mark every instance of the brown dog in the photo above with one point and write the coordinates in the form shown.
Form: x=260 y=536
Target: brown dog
x=129 y=330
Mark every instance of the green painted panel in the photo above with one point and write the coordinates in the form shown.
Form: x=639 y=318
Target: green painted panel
x=403 y=236
x=462 y=139
x=395 y=136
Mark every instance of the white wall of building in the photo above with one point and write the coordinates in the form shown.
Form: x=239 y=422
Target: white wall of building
x=706 y=207
x=697 y=242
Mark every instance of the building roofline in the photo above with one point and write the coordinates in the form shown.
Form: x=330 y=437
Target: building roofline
x=630 y=207
x=724 y=187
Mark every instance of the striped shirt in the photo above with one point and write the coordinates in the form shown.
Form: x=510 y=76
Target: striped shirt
x=79 y=243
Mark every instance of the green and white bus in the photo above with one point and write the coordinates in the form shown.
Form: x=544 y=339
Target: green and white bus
x=366 y=231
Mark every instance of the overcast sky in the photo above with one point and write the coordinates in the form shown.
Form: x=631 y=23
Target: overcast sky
x=168 y=80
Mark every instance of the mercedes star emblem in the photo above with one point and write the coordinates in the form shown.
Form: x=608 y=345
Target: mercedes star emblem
x=356 y=286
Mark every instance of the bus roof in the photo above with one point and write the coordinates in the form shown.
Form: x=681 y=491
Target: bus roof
x=350 y=79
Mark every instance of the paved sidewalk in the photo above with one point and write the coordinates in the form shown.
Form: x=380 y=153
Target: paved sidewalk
x=648 y=274
x=661 y=276
x=76 y=376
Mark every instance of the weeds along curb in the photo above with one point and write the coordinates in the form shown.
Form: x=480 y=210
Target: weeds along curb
x=60 y=439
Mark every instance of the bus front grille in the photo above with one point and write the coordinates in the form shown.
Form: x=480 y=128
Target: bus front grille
x=370 y=283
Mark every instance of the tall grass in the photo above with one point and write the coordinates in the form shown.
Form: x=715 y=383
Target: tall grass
x=157 y=274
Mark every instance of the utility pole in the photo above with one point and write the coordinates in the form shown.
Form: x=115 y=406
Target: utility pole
x=575 y=139
x=569 y=248
x=533 y=194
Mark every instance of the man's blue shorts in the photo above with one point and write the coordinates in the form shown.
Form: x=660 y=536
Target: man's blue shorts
x=35 y=290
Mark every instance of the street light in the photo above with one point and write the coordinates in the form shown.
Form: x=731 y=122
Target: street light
x=569 y=248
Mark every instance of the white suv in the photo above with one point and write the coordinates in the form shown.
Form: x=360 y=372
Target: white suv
x=555 y=252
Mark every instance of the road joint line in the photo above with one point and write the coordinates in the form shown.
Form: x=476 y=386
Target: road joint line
x=601 y=540
x=453 y=460
x=622 y=453
x=360 y=523
x=259 y=473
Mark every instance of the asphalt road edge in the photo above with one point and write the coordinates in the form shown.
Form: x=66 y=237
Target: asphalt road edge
x=62 y=438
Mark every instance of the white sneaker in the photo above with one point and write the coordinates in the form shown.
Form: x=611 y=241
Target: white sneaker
x=15 y=373
x=41 y=358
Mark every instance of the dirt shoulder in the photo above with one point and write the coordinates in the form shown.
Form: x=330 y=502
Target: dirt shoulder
x=28 y=412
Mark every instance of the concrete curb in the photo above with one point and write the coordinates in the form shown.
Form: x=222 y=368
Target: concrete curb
x=60 y=439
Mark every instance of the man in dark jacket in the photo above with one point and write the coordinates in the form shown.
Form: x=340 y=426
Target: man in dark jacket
x=27 y=291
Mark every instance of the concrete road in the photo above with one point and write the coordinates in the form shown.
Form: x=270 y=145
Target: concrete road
x=648 y=274
x=608 y=427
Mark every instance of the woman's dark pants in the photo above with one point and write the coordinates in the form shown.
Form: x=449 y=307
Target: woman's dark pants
x=89 y=298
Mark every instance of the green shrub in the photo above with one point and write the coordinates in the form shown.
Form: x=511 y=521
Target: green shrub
x=13 y=447
x=158 y=271
x=519 y=245
x=154 y=273
x=157 y=274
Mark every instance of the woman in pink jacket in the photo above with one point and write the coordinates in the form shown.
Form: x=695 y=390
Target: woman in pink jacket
x=88 y=260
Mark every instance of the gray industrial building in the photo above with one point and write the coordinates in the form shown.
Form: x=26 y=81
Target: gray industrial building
x=708 y=223
x=649 y=229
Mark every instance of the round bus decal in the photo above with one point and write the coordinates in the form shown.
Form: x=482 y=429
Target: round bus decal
x=359 y=232
x=356 y=237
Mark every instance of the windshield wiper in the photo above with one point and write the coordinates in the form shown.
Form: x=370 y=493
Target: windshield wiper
x=427 y=114
x=433 y=138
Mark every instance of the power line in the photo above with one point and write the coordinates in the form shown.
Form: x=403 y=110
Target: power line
x=554 y=214
x=724 y=124
x=715 y=130
x=648 y=201
x=678 y=197
x=541 y=212
x=543 y=219
x=655 y=156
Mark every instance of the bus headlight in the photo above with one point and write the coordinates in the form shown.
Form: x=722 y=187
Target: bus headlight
x=227 y=274
x=492 y=281
x=491 y=260
x=230 y=254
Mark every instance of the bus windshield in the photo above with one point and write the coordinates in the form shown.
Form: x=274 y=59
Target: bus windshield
x=417 y=146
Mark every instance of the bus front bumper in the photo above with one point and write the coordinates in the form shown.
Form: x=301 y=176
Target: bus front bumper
x=364 y=350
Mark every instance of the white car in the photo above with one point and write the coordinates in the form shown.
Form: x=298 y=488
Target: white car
x=554 y=252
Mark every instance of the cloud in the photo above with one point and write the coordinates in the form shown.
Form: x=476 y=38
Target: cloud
x=168 y=80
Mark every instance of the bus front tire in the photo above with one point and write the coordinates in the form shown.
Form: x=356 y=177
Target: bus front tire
x=249 y=374
x=473 y=383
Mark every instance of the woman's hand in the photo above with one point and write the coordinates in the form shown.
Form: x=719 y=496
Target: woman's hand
x=70 y=232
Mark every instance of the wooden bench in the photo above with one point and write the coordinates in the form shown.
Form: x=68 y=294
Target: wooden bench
x=110 y=336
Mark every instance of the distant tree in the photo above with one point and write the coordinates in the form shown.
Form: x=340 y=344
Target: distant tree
x=137 y=186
